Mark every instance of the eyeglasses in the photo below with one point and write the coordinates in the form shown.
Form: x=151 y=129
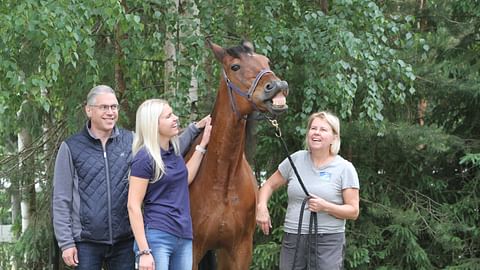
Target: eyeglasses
x=105 y=108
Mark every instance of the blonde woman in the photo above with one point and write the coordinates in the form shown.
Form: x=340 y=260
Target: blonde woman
x=334 y=188
x=159 y=180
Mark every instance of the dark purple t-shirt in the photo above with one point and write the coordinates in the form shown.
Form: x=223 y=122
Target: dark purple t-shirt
x=166 y=203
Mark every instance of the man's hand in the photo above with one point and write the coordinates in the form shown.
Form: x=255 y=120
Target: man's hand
x=70 y=256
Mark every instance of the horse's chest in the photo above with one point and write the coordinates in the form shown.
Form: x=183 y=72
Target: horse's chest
x=233 y=217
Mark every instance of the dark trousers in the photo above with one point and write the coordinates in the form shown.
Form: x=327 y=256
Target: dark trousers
x=328 y=253
x=93 y=256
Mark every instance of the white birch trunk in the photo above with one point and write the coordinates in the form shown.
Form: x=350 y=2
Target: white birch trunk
x=190 y=14
x=24 y=139
x=171 y=52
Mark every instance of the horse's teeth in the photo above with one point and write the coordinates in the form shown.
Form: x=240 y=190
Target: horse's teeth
x=279 y=100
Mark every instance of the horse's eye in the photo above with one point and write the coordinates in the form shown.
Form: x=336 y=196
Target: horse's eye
x=235 y=67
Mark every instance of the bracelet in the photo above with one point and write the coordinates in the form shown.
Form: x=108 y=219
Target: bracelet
x=200 y=149
x=143 y=252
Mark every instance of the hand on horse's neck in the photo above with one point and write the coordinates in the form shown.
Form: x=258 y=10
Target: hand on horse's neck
x=320 y=158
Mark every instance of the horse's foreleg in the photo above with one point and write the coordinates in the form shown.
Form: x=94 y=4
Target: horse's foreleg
x=239 y=257
x=198 y=254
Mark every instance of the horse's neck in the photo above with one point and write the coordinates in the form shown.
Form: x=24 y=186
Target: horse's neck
x=227 y=140
x=228 y=134
x=232 y=137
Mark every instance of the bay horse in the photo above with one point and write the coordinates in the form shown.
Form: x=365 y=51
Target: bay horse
x=223 y=194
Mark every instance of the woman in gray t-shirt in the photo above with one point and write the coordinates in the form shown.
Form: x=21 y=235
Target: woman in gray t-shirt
x=333 y=185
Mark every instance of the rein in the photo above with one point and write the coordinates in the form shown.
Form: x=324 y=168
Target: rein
x=312 y=227
x=232 y=87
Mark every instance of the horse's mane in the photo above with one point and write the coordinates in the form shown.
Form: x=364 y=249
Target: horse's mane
x=240 y=49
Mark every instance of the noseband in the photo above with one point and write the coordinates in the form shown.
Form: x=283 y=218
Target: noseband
x=232 y=87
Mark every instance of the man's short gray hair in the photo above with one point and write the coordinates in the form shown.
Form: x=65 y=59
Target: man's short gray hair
x=97 y=90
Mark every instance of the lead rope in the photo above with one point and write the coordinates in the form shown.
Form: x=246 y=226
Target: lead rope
x=312 y=227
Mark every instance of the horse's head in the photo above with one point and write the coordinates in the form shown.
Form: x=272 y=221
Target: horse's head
x=251 y=83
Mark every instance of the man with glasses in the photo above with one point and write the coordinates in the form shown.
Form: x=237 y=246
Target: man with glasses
x=90 y=216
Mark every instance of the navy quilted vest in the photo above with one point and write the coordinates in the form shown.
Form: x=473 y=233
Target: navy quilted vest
x=103 y=185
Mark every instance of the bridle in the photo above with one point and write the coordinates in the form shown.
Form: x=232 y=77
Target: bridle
x=249 y=95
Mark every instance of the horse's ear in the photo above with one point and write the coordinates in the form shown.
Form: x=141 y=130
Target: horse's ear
x=217 y=50
x=248 y=44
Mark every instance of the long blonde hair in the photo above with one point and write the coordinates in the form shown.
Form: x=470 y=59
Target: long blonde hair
x=334 y=122
x=147 y=136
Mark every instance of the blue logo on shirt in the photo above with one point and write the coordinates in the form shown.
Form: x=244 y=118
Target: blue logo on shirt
x=325 y=176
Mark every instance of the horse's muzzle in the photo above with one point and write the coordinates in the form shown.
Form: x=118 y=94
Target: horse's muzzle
x=272 y=88
x=274 y=96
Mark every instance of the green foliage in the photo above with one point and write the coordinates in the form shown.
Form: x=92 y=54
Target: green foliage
x=370 y=62
x=33 y=245
x=267 y=248
x=346 y=56
x=267 y=254
x=31 y=249
x=5 y=250
x=474 y=159
x=5 y=217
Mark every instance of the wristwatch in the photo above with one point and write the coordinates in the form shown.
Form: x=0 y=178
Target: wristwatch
x=200 y=149
x=143 y=252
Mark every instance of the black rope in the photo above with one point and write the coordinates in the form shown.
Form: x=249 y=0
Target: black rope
x=313 y=225
x=294 y=167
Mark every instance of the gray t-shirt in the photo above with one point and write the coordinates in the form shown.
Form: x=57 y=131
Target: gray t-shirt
x=326 y=182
